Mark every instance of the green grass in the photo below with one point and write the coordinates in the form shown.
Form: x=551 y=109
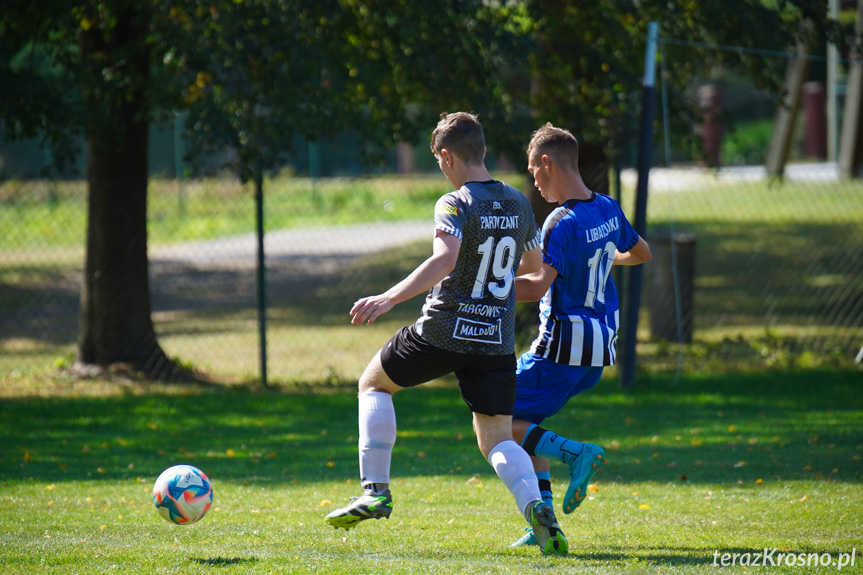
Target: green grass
x=778 y=265
x=210 y=208
x=744 y=450
x=778 y=281
x=704 y=464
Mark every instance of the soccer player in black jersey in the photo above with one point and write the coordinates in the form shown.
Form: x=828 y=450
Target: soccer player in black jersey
x=482 y=231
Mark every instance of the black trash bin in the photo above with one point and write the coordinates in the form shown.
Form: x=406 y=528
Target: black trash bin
x=671 y=287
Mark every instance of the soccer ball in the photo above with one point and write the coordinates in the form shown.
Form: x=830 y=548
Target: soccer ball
x=182 y=494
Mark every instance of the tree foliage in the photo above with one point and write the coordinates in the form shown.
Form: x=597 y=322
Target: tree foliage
x=250 y=75
x=585 y=60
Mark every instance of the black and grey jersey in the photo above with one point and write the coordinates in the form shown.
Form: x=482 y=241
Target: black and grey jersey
x=472 y=310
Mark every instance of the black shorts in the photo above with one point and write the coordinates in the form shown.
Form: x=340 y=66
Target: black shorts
x=487 y=382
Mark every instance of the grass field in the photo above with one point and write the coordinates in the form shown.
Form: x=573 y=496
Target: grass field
x=778 y=281
x=778 y=284
x=35 y=217
x=702 y=465
x=756 y=444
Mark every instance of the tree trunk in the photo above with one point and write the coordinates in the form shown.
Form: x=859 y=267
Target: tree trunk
x=115 y=325
x=786 y=114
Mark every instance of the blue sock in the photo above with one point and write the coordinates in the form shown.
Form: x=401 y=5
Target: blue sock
x=544 y=478
x=543 y=443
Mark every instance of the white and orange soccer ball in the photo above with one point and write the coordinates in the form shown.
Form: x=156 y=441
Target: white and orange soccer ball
x=182 y=494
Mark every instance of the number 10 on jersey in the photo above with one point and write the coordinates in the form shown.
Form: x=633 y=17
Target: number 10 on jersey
x=598 y=268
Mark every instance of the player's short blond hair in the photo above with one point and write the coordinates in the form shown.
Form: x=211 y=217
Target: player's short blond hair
x=558 y=143
x=460 y=133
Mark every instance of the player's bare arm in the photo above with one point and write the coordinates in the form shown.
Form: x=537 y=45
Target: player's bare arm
x=639 y=254
x=532 y=287
x=423 y=278
x=531 y=261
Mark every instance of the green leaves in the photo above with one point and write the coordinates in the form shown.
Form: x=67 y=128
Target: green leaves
x=252 y=74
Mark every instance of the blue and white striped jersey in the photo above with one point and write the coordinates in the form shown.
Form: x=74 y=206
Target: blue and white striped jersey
x=472 y=310
x=579 y=313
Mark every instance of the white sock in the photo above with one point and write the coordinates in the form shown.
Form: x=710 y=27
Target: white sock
x=377 y=422
x=512 y=464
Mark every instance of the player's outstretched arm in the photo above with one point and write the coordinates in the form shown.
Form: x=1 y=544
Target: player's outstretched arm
x=639 y=254
x=532 y=287
x=427 y=274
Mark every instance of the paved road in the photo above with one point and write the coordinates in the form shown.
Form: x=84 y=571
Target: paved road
x=321 y=243
x=340 y=242
x=221 y=272
x=688 y=179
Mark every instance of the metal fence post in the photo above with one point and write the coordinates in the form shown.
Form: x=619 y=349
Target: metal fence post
x=633 y=299
x=261 y=269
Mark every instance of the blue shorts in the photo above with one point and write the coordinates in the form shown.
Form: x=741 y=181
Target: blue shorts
x=544 y=387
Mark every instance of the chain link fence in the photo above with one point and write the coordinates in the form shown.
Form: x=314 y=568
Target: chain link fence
x=745 y=272
x=327 y=243
x=749 y=271
x=752 y=268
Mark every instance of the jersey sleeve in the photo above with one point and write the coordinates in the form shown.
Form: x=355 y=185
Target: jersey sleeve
x=628 y=235
x=449 y=216
x=534 y=234
x=554 y=244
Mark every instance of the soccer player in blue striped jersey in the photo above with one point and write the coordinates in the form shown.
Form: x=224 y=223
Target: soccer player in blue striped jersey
x=482 y=231
x=581 y=239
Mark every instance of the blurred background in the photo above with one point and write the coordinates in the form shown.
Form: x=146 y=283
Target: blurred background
x=302 y=128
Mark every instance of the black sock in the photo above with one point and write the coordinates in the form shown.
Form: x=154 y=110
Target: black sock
x=531 y=439
x=376 y=488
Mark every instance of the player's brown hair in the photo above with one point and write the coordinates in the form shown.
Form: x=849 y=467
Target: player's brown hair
x=460 y=133
x=558 y=143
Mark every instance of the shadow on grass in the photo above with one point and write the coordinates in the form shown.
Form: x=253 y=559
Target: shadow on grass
x=730 y=428
x=655 y=557
x=222 y=561
x=768 y=273
x=748 y=274
x=311 y=291
x=720 y=557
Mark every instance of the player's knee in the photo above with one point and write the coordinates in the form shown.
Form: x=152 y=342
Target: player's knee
x=374 y=378
x=491 y=431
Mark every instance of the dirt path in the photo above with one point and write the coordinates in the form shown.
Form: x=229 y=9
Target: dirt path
x=210 y=274
x=221 y=272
